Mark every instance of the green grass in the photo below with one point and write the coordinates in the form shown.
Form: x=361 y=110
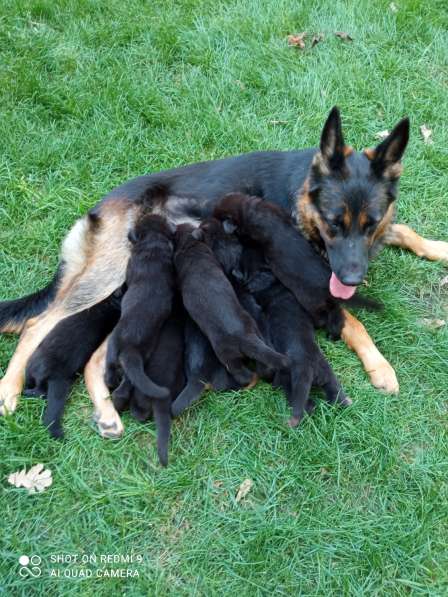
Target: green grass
x=353 y=502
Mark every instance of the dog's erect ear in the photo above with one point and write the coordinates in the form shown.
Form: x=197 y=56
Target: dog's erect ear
x=198 y=234
x=229 y=226
x=387 y=155
x=332 y=141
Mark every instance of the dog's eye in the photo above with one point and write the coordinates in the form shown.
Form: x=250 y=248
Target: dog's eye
x=371 y=224
x=335 y=225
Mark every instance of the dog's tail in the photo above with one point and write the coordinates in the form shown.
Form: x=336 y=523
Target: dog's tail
x=358 y=301
x=253 y=347
x=133 y=365
x=14 y=313
x=192 y=392
x=162 y=419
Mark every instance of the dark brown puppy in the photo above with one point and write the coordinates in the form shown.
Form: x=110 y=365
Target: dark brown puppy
x=202 y=367
x=145 y=307
x=290 y=330
x=165 y=365
x=65 y=352
x=212 y=303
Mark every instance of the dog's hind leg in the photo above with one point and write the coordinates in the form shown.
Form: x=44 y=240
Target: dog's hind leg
x=379 y=370
x=106 y=417
x=58 y=390
x=190 y=394
x=400 y=235
x=11 y=384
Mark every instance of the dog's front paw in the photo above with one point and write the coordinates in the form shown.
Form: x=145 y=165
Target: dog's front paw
x=435 y=250
x=8 y=398
x=108 y=421
x=383 y=377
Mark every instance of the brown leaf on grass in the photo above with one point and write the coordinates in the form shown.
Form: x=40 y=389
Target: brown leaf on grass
x=278 y=122
x=317 y=38
x=37 y=479
x=444 y=281
x=382 y=135
x=426 y=134
x=343 y=35
x=433 y=324
x=244 y=489
x=297 y=41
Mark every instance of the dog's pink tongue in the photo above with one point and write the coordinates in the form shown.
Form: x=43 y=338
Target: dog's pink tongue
x=340 y=290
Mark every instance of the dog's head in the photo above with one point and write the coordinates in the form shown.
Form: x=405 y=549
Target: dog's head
x=348 y=199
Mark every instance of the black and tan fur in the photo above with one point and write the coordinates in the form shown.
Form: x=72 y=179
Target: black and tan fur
x=96 y=250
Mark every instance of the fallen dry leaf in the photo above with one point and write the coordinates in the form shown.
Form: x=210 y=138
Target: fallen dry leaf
x=393 y=7
x=297 y=40
x=382 y=135
x=434 y=324
x=343 y=35
x=426 y=134
x=444 y=281
x=37 y=479
x=278 y=122
x=244 y=489
x=316 y=39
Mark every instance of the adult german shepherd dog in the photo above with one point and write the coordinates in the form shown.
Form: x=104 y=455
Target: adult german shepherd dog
x=343 y=201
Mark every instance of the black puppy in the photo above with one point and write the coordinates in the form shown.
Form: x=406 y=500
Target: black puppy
x=291 y=331
x=202 y=367
x=65 y=352
x=165 y=365
x=291 y=258
x=210 y=300
x=145 y=306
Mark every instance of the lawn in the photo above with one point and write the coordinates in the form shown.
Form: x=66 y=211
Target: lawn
x=355 y=501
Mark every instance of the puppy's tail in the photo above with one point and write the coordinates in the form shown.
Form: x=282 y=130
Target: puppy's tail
x=358 y=301
x=255 y=348
x=192 y=392
x=133 y=366
x=163 y=424
x=14 y=314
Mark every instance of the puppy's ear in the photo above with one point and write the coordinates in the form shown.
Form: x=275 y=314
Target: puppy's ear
x=171 y=226
x=385 y=158
x=331 y=155
x=229 y=226
x=132 y=236
x=198 y=234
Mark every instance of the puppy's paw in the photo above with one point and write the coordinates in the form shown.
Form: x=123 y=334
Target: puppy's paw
x=435 y=250
x=383 y=377
x=294 y=422
x=108 y=421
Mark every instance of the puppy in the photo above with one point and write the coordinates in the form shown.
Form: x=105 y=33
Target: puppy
x=165 y=365
x=202 y=367
x=291 y=331
x=66 y=350
x=289 y=255
x=211 y=302
x=145 y=307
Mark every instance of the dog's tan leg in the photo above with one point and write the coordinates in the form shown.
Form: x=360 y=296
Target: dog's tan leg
x=402 y=236
x=380 y=371
x=105 y=416
x=12 y=383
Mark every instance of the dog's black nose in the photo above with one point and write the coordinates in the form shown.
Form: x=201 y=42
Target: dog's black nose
x=352 y=278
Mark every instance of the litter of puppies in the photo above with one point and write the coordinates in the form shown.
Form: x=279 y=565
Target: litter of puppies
x=219 y=306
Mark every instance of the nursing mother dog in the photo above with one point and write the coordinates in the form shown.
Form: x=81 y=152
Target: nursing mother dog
x=343 y=201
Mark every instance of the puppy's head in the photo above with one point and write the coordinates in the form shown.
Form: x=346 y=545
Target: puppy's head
x=150 y=225
x=230 y=211
x=225 y=246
